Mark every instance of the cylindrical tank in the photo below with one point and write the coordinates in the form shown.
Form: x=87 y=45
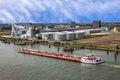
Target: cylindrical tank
x=80 y=34
x=31 y=32
x=71 y=35
x=13 y=30
x=60 y=37
x=47 y=36
x=54 y=33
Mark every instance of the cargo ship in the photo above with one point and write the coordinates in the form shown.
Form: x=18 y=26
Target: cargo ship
x=90 y=58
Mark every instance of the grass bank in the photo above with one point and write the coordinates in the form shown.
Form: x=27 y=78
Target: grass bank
x=5 y=32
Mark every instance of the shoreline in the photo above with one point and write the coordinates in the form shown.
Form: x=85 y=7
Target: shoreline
x=104 y=47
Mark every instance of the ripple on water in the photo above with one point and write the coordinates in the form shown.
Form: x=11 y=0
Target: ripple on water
x=111 y=65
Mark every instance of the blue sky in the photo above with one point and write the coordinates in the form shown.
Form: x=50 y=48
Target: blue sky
x=20 y=11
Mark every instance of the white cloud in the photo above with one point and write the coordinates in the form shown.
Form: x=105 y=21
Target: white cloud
x=28 y=10
x=5 y=16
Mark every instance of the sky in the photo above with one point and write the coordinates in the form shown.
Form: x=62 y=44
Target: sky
x=52 y=11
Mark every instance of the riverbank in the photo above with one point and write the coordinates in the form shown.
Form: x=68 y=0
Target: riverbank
x=105 y=42
x=69 y=44
x=5 y=32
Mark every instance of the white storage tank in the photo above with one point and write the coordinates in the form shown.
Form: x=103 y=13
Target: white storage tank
x=71 y=35
x=87 y=32
x=60 y=36
x=80 y=34
x=14 y=29
x=47 y=36
x=54 y=33
x=31 y=32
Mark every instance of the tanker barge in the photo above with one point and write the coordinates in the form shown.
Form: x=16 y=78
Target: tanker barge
x=52 y=55
x=89 y=58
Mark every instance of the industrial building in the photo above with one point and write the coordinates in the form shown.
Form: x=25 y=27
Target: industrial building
x=23 y=31
x=57 y=34
x=93 y=24
x=17 y=30
x=71 y=35
x=62 y=31
x=97 y=24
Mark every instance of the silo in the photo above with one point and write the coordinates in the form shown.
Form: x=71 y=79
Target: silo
x=60 y=37
x=54 y=33
x=71 y=35
x=47 y=36
x=87 y=32
x=80 y=34
x=31 y=32
x=13 y=30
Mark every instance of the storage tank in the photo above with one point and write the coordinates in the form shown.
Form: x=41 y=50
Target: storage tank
x=47 y=36
x=80 y=34
x=13 y=30
x=71 y=35
x=87 y=32
x=60 y=37
x=31 y=32
x=54 y=33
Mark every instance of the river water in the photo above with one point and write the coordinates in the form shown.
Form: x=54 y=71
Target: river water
x=18 y=66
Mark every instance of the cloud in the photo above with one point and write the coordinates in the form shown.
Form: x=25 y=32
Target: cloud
x=12 y=11
x=5 y=16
